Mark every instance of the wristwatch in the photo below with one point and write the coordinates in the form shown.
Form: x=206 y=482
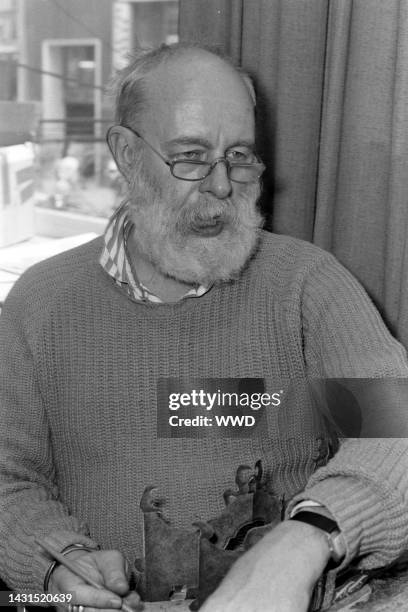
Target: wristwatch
x=335 y=539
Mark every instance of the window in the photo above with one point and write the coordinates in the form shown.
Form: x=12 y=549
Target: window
x=155 y=22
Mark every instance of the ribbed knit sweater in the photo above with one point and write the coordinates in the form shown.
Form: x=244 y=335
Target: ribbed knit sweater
x=79 y=363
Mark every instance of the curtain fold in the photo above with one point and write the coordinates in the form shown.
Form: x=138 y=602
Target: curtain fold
x=332 y=79
x=362 y=190
x=396 y=268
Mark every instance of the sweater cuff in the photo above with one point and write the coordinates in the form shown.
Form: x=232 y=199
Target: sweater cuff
x=370 y=526
x=41 y=560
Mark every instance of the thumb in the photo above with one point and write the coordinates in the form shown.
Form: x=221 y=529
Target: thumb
x=113 y=567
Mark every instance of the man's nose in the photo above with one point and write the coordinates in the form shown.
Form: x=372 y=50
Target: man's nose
x=217 y=182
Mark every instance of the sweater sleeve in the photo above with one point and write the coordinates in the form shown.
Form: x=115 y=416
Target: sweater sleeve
x=365 y=485
x=29 y=505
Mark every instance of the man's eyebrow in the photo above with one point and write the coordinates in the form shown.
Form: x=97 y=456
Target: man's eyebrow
x=189 y=140
x=198 y=140
x=243 y=143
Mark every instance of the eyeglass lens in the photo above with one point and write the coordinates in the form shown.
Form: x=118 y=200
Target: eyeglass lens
x=240 y=174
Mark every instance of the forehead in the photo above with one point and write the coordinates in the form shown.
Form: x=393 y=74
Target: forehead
x=199 y=97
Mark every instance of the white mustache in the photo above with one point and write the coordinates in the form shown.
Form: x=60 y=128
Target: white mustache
x=190 y=217
x=209 y=208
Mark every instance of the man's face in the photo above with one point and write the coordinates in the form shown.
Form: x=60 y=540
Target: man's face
x=201 y=231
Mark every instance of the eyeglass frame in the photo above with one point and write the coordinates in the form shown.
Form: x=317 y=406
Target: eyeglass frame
x=211 y=165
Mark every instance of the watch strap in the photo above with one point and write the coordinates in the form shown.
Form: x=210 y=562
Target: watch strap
x=329 y=527
x=317 y=520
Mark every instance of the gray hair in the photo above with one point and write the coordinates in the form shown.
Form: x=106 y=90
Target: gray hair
x=129 y=84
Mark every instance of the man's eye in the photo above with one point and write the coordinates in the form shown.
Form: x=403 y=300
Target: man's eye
x=190 y=156
x=241 y=156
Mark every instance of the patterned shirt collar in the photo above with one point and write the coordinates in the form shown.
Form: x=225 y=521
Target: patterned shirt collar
x=115 y=261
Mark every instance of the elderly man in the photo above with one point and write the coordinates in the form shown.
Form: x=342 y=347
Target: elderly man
x=184 y=283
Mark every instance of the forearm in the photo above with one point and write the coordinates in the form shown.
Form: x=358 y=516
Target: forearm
x=27 y=514
x=278 y=574
x=365 y=488
x=29 y=499
x=365 y=485
x=29 y=502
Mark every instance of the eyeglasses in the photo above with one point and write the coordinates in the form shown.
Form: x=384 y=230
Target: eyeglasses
x=248 y=170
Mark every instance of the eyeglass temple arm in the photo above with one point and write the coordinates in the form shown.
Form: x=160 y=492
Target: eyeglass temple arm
x=166 y=161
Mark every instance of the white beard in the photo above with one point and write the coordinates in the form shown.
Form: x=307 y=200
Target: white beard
x=163 y=232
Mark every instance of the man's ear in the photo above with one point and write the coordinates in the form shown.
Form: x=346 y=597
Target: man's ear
x=122 y=145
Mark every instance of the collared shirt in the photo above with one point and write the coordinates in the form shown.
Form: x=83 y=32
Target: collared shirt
x=116 y=262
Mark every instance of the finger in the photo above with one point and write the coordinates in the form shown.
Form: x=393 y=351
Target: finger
x=82 y=608
x=137 y=608
x=64 y=581
x=133 y=601
x=112 y=566
x=88 y=596
x=89 y=609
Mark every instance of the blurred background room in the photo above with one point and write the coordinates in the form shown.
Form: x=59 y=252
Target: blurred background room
x=58 y=183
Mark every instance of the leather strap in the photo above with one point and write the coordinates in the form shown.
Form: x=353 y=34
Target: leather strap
x=317 y=520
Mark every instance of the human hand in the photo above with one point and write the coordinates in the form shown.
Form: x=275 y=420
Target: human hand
x=107 y=568
x=277 y=575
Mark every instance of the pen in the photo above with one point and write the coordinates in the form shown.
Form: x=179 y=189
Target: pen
x=81 y=573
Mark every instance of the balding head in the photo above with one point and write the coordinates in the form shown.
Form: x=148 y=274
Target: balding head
x=170 y=66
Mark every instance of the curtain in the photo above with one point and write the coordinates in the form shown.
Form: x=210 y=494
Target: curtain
x=332 y=82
